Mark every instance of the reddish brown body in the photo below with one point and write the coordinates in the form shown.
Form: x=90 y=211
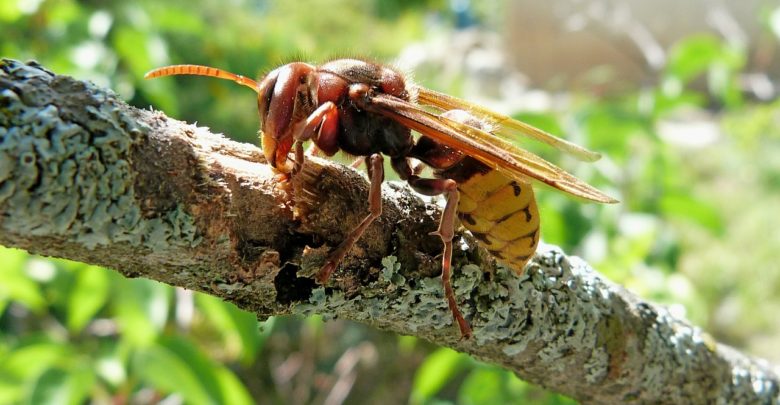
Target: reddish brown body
x=367 y=109
x=333 y=95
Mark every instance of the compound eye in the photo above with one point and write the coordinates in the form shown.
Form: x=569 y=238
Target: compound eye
x=265 y=92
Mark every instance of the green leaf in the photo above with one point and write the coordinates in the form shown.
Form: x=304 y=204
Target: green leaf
x=111 y=365
x=27 y=361
x=57 y=386
x=142 y=309
x=483 y=386
x=692 y=209
x=665 y=100
x=11 y=386
x=406 y=344
x=610 y=127
x=553 y=225
x=434 y=373
x=11 y=391
x=16 y=285
x=693 y=55
x=88 y=295
x=239 y=329
x=132 y=46
x=492 y=385
x=164 y=370
x=231 y=388
x=9 y=11
x=699 y=54
x=50 y=388
x=203 y=367
x=174 y=365
x=168 y=17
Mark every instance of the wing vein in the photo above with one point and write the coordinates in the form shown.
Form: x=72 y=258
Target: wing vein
x=493 y=151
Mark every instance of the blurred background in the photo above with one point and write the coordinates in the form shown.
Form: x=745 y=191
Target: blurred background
x=680 y=97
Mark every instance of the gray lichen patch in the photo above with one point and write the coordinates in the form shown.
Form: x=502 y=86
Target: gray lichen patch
x=670 y=344
x=506 y=312
x=391 y=300
x=559 y=319
x=65 y=170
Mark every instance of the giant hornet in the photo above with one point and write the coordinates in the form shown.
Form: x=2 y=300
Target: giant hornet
x=369 y=110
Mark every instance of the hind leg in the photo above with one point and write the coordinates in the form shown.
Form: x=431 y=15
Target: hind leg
x=446 y=230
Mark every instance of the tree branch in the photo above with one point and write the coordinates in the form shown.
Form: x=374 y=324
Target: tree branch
x=83 y=176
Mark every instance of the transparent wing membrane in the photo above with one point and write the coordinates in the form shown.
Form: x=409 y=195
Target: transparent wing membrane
x=486 y=147
x=506 y=125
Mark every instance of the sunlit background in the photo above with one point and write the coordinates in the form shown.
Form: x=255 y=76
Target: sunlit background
x=680 y=97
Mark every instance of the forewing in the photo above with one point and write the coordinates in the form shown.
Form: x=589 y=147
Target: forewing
x=484 y=146
x=505 y=124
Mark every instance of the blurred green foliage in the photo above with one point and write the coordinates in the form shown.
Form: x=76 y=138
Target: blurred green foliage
x=72 y=332
x=696 y=229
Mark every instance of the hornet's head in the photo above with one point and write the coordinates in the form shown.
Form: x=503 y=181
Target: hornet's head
x=285 y=98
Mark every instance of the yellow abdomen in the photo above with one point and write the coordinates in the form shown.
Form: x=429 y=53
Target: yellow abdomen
x=502 y=215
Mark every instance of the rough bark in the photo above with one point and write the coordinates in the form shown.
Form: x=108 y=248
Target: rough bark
x=83 y=176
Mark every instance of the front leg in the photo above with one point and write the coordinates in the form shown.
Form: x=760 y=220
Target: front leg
x=376 y=171
x=321 y=126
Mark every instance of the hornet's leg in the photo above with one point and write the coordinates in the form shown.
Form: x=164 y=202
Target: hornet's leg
x=356 y=163
x=377 y=173
x=298 y=164
x=446 y=230
x=321 y=126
